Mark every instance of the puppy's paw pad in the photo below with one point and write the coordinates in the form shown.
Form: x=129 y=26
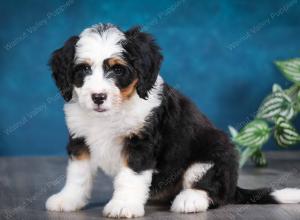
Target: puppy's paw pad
x=121 y=209
x=190 y=201
x=63 y=203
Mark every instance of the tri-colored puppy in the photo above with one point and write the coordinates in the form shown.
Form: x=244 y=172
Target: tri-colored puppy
x=123 y=118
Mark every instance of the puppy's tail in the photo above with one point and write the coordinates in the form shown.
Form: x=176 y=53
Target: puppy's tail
x=267 y=196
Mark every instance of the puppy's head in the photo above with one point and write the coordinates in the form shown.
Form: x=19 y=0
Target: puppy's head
x=104 y=67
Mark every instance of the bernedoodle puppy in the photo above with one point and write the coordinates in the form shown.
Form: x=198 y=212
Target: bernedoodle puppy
x=123 y=118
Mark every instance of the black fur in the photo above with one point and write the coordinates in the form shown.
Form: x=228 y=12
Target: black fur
x=78 y=73
x=255 y=196
x=102 y=28
x=76 y=147
x=61 y=64
x=143 y=54
x=176 y=136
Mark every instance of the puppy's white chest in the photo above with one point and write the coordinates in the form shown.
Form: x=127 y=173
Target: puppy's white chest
x=104 y=136
x=105 y=151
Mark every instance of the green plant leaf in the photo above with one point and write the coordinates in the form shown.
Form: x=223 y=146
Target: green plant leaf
x=276 y=104
x=298 y=102
x=276 y=88
x=245 y=155
x=292 y=91
x=253 y=135
x=259 y=158
x=233 y=131
x=285 y=134
x=290 y=69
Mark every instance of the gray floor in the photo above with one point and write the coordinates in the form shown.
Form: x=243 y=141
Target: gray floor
x=25 y=183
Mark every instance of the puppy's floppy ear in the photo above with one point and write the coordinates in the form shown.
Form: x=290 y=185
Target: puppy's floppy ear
x=61 y=63
x=143 y=54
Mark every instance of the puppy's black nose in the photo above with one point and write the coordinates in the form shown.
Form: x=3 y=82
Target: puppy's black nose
x=99 y=98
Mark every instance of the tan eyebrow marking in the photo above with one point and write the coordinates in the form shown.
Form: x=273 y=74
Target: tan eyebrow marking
x=88 y=61
x=115 y=60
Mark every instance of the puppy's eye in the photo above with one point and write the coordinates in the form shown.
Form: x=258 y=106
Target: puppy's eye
x=118 y=70
x=86 y=68
x=83 y=67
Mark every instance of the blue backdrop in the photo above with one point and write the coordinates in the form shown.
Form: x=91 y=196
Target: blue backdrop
x=219 y=53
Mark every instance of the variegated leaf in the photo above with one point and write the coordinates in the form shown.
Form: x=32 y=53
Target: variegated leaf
x=255 y=134
x=298 y=102
x=276 y=88
x=285 y=134
x=290 y=69
x=276 y=104
x=233 y=131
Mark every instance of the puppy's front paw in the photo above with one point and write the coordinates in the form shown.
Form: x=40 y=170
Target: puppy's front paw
x=63 y=202
x=123 y=209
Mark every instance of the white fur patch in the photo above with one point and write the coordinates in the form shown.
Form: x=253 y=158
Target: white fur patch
x=93 y=48
x=76 y=191
x=104 y=132
x=96 y=47
x=194 y=173
x=131 y=191
x=190 y=201
x=287 y=195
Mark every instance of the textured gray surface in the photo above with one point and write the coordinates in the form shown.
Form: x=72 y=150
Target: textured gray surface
x=25 y=184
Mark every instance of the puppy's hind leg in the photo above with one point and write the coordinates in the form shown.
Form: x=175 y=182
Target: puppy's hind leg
x=190 y=199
